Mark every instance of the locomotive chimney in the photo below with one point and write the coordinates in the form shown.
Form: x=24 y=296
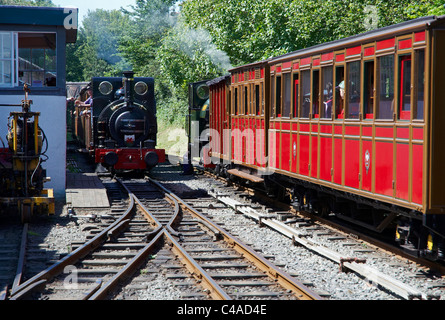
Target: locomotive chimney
x=128 y=80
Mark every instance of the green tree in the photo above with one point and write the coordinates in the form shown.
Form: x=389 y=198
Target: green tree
x=160 y=45
x=252 y=30
x=150 y=22
x=187 y=55
x=96 y=53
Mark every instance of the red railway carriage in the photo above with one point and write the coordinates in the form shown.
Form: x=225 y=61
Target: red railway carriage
x=249 y=115
x=354 y=116
x=354 y=126
x=239 y=117
x=219 y=119
x=361 y=116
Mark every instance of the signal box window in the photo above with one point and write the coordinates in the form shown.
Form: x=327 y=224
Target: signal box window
x=8 y=58
x=326 y=108
x=306 y=93
x=386 y=87
x=287 y=94
x=353 y=90
x=420 y=83
x=37 y=59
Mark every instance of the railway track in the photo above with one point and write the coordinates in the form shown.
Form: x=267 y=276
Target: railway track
x=353 y=254
x=152 y=226
x=12 y=252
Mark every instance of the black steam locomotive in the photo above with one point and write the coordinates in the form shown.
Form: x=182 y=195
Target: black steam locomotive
x=119 y=127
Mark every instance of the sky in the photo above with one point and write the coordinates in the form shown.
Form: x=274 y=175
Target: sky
x=85 y=5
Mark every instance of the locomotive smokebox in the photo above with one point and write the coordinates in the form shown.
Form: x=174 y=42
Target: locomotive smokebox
x=128 y=83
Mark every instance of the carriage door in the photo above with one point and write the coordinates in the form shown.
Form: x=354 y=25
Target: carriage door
x=405 y=88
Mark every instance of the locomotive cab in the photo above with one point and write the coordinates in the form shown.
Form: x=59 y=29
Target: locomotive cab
x=197 y=121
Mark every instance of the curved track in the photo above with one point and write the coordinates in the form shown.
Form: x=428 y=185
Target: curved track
x=154 y=219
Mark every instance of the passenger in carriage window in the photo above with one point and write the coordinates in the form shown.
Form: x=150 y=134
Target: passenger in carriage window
x=327 y=103
x=88 y=103
x=89 y=100
x=340 y=112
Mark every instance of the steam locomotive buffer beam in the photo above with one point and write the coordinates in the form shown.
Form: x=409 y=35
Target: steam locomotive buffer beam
x=245 y=175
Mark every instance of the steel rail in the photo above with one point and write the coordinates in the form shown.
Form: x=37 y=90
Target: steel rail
x=147 y=213
x=71 y=258
x=129 y=268
x=22 y=257
x=284 y=279
x=169 y=234
x=343 y=228
x=370 y=273
x=215 y=291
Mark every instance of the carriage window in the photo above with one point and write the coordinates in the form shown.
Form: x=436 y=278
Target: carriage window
x=272 y=100
x=252 y=99
x=369 y=90
x=257 y=100
x=278 y=98
x=420 y=83
x=262 y=99
x=235 y=100
x=386 y=88
x=306 y=93
x=326 y=110
x=246 y=101
x=287 y=93
x=353 y=90
x=316 y=94
x=340 y=92
x=405 y=87
x=296 y=95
